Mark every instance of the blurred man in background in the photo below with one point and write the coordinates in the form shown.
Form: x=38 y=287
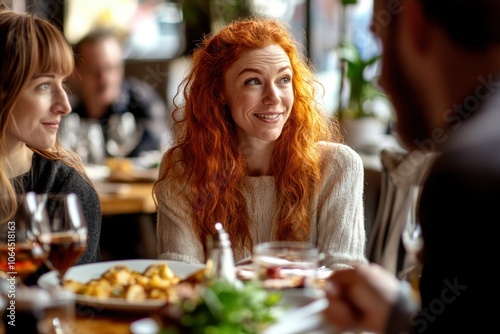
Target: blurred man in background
x=133 y=118
x=132 y=114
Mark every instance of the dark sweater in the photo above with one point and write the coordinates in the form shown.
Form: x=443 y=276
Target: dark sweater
x=459 y=216
x=52 y=176
x=148 y=108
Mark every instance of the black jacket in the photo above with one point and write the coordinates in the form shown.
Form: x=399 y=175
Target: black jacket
x=149 y=111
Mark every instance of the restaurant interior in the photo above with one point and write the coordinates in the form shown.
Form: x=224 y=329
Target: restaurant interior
x=320 y=25
x=160 y=36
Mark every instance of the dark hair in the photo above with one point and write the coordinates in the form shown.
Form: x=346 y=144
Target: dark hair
x=474 y=24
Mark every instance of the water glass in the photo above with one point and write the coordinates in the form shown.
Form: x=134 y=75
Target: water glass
x=60 y=314
x=27 y=315
x=39 y=311
x=286 y=264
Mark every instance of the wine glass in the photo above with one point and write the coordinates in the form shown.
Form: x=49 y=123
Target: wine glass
x=69 y=132
x=85 y=137
x=21 y=253
x=67 y=236
x=93 y=139
x=123 y=134
x=412 y=233
x=412 y=238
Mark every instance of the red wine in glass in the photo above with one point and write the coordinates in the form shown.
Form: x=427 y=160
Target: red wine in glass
x=65 y=248
x=29 y=256
x=67 y=236
x=20 y=252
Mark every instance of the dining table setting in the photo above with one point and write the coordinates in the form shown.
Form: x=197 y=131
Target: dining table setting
x=301 y=312
x=125 y=185
x=279 y=290
x=297 y=310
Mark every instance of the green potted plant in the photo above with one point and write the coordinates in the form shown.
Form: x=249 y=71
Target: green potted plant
x=361 y=122
x=362 y=89
x=363 y=107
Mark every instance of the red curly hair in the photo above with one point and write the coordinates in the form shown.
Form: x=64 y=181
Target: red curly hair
x=208 y=155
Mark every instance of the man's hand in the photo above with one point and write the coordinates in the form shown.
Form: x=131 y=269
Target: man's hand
x=361 y=298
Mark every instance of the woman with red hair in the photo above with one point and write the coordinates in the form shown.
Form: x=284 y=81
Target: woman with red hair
x=257 y=153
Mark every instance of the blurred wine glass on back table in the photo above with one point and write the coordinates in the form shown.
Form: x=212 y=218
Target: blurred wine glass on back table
x=85 y=137
x=123 y=134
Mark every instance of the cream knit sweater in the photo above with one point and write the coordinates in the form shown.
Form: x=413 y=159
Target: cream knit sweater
x=337 y=222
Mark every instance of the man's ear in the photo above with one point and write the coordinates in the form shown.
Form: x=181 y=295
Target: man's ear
x=416 y=26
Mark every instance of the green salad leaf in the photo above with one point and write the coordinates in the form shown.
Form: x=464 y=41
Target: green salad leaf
x=222 y=308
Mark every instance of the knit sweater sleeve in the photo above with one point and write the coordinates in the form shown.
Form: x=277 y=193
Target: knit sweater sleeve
x=177 y=240
x=340 y=224
x=337 y=219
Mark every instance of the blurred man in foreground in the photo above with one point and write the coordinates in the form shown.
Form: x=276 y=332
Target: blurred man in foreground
x=440 y=66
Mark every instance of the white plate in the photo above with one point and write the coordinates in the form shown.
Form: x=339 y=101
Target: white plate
x=97 y=172
x=302 y=313
x=86 y=272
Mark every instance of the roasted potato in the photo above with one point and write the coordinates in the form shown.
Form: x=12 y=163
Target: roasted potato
x=122 y=282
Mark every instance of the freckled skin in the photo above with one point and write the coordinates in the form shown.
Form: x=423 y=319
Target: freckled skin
x=258 y=92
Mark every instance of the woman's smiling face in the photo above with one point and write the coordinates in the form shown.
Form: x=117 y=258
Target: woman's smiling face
x=38 y=111
x=258 y=91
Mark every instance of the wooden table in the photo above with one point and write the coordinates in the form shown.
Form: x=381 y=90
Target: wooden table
x=88 y=322
x=126 y=198
x=134 y=200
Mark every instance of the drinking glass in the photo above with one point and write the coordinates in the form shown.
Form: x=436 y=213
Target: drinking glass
x=21 y=253
x=93 y=138
x=412 y=238
x=412 y=233
x=85 y=137
x=67 y=237
x=286 y=264
x=123 y=134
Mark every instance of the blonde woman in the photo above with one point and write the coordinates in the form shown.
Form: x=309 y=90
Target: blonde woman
x=35 y=61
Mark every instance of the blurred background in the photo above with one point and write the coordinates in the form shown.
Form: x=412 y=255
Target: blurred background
x=160 y=34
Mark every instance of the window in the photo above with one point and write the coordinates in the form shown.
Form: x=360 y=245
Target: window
x=154 y=28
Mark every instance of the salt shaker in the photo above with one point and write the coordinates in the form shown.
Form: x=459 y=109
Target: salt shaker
x=220 y=261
